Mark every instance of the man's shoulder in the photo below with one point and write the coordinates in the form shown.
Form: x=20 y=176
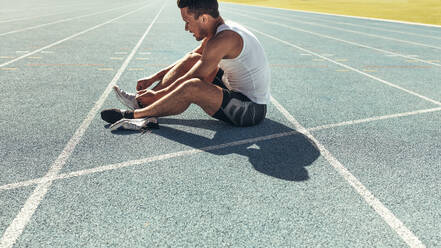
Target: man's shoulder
x=226 y=35
x=227 y=38
x=227 y=42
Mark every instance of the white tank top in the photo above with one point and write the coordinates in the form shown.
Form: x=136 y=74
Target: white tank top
x=248 y=73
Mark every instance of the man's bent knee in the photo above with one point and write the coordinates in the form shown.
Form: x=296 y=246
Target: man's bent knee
x=207 y=96
x=191 y=86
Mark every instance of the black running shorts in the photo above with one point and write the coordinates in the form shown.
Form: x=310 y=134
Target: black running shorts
x=236 y=108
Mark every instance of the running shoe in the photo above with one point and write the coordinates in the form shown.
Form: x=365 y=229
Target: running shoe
x=128 y=99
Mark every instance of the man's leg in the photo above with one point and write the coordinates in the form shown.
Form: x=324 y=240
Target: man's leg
x=207 y=96
x=168 y=84
x=147 y=96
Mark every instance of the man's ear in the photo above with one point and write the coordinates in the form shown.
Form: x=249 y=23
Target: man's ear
x=204 y=18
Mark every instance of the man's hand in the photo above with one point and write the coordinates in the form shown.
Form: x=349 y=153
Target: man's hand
x=144 y=83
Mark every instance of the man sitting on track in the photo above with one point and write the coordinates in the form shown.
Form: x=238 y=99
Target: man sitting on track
x=228 y=75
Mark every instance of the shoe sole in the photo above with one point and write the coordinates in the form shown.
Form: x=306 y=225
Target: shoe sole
x=142 y=124
x=123 y=123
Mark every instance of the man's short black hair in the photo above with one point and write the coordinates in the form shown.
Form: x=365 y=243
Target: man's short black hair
x=199 y=7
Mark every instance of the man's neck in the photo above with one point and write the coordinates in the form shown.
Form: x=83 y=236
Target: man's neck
x=217 y=22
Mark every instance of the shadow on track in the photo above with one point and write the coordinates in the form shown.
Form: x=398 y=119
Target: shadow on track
x=283 y=157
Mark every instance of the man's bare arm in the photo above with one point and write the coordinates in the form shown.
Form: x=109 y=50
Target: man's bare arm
x=146 y=82
x=200 y=49
x=226 y=44
x=222 y=46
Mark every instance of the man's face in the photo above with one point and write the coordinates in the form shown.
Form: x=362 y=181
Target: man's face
x=193 y=25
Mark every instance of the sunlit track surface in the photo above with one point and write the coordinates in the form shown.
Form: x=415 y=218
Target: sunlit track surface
x=348 y=155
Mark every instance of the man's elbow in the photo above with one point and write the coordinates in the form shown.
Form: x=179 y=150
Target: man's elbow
x=204 y=78
x=201 y=79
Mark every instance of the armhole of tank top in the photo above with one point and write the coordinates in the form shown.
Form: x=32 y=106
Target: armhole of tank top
x=243 y=43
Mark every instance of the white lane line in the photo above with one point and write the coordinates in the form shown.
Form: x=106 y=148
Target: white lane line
x=388 y=216
x=51 y=7
x=72 y=36
x=349 y=67
x=17 y=226
x=350 y=31
x=33 y=17
x=390 y=30
x=389 y=53
x=39 y=6
x=374 y=118
x=144 y=160
x=349 y=16
x=175 y=154
x=341 y=40
x=208 y=148
x=52 y=14
x=64 y=20
x=370 y=199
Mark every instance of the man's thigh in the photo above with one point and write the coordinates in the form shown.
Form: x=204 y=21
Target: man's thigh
x=206 y=95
